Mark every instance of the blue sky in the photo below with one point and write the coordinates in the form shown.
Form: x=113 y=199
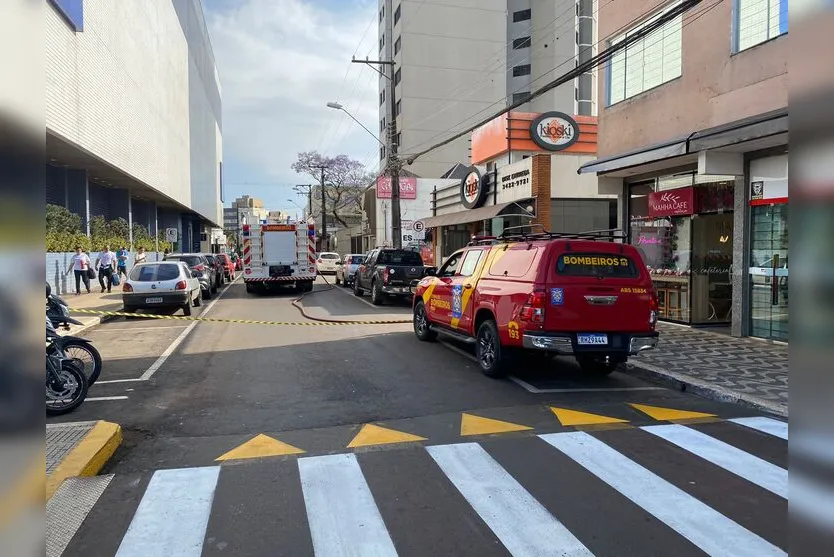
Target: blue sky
x=280 y=62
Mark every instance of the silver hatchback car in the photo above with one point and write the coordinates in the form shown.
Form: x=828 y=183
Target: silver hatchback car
x=346 y=272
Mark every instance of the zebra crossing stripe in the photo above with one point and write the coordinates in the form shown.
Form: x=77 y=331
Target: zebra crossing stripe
x=173 y=514
x=752 y=468
x=522 y=524
x=344 y=519
x=702 y=525
x=765 y=425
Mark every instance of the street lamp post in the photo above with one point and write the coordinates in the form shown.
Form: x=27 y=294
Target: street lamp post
x=393 y=161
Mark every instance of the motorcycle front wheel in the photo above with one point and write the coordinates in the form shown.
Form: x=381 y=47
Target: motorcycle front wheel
x=66 y=390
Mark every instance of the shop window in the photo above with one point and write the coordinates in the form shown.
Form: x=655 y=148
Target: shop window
x=523 y=69
x=769 y=271
x=523 y=42
x=648 y=62
x=582 y=215
x=521 y=97
x=758 y=21
x=522 y=15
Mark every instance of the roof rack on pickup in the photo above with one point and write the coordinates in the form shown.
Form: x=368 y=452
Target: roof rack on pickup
x=605 y=235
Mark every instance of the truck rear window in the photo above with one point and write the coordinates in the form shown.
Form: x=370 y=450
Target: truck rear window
x=596 y=265
x=399 y=258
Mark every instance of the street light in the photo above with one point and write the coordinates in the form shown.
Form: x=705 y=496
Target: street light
x=393 y=168
x=339 y=106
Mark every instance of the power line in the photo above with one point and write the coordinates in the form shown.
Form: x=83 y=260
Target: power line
x=695 y=17
x=593 y=62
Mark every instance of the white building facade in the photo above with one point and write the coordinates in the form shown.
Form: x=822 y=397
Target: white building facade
x=133 y=114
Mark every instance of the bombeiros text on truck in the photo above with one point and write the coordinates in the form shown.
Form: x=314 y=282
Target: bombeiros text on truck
x=279 y=255
x=582 y=295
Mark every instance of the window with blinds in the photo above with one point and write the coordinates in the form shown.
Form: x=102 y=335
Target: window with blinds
x=757 y=21
x=650 y=61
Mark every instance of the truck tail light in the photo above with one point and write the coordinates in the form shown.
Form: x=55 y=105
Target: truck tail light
x=533 y=308
x=385 y=274
x=181 y=285
x=127 y=287
x=653 y=307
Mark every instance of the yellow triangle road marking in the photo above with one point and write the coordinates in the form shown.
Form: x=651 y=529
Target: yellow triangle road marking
x=371 y=434
x=669 y=414
x=574 y=417
x=259 y=446
x=476 y=425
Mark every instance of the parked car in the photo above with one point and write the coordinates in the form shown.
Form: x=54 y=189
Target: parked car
x=200 y=268
x=219 y=269
x=228 y=266
x=546 y=293
x=388 y=272
x=165 y=284
x=347 y=268
x=326 y=262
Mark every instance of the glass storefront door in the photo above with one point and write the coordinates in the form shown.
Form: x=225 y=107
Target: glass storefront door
x=769 y=272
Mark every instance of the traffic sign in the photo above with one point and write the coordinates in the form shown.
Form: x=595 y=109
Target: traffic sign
x=419 y=230
x=170 y=234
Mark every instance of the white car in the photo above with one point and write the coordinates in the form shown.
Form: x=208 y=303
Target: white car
x=327 y=262
x=162 y=284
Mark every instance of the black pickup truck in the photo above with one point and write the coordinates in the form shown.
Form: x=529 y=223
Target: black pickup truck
x=388 y=272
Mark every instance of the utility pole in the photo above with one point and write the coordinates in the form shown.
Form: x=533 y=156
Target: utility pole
x=393 y=160
x=325 y=244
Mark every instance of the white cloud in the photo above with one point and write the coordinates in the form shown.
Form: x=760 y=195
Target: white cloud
x=280 y=62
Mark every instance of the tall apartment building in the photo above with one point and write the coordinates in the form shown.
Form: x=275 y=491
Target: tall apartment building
x=457 y=61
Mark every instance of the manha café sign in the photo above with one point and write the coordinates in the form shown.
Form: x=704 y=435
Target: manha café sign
x=672 y=203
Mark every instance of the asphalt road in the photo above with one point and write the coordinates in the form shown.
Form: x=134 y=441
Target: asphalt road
x=360 y=440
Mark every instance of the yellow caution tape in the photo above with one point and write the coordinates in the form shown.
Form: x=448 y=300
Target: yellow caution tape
x=241 y=321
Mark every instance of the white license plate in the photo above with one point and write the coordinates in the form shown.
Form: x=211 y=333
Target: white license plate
x=591 y=339
x=153 y=300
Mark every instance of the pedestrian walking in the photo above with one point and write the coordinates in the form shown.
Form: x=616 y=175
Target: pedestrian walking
x=106 y=263
x=141 y=256
x=80 y=264
x=121 y=261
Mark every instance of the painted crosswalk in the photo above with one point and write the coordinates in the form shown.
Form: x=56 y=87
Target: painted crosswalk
x=551 y=494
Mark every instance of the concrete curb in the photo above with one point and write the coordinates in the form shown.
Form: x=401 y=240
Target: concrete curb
x=687 y=383
x=76 y=330
x=88 y=457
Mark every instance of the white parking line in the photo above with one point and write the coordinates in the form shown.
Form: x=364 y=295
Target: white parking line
x=537 y=390
x=100 y=398
x=117 y=381
x=128 y=330
x=177 y=341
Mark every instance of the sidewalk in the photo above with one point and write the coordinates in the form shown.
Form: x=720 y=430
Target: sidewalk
x=78 y=449
x=96 y=300
x=745 y=370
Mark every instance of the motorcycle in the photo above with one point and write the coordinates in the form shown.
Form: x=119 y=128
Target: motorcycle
x=72 y=347
x=66 y=384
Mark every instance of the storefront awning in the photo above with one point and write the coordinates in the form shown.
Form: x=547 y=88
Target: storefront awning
x=761 y=130
x=471 y=215
x=673 y=148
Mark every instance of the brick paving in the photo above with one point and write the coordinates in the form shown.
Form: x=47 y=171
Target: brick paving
x=61 y=439
x=753 y=368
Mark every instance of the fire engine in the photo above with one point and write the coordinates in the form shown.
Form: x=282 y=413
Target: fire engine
x=279 y=255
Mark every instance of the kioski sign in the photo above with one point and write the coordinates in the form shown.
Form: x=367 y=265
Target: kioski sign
x=408 y=188
x=554 y=131
x=671 y=203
